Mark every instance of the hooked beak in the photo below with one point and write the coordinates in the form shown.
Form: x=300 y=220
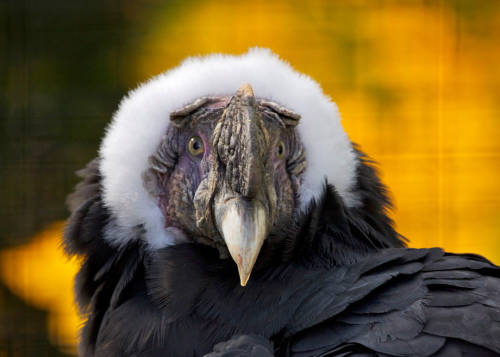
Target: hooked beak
x=240 y=206
x=243 y=225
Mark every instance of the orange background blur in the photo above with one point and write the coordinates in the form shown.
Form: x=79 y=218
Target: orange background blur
x=417 y=84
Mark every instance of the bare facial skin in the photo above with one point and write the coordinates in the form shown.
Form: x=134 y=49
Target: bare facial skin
x=227 y=173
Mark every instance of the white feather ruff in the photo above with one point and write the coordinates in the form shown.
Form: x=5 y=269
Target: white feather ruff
x=142 y=119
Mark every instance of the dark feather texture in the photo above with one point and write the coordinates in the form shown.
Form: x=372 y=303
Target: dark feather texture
x=338 y=284
x=243 y=346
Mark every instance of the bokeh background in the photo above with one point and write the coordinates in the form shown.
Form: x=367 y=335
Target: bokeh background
x=417 y=84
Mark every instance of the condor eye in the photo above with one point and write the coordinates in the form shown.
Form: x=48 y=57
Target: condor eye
x=280 y=150
x=195 y=146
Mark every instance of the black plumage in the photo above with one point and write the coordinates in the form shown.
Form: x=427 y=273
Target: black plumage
x=340 y=283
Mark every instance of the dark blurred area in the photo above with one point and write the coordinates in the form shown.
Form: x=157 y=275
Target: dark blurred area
x=416 y=81
x=59 y=86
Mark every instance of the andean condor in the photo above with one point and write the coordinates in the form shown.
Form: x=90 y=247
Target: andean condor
x=228 y=214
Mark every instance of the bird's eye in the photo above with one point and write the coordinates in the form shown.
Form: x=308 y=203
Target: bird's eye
x=195 y=146
x=280 y=150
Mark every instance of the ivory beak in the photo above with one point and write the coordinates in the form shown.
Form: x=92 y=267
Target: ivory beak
x=243 y=226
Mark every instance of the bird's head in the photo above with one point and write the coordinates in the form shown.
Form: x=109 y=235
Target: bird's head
x=227 y=151
x=227 y=173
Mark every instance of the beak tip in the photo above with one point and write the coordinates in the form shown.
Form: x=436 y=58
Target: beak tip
x=244 y=230
x=244 y=279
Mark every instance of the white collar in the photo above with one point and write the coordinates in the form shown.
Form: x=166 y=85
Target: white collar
x=142 y=119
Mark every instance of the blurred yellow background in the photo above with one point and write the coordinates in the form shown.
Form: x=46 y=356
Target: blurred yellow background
x=417 y=84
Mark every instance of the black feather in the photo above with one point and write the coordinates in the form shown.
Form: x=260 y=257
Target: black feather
x=371 y=219
x=243 y=346
x=339 y=284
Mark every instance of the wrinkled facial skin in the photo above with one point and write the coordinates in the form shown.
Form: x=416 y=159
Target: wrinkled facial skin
x=226 y=160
